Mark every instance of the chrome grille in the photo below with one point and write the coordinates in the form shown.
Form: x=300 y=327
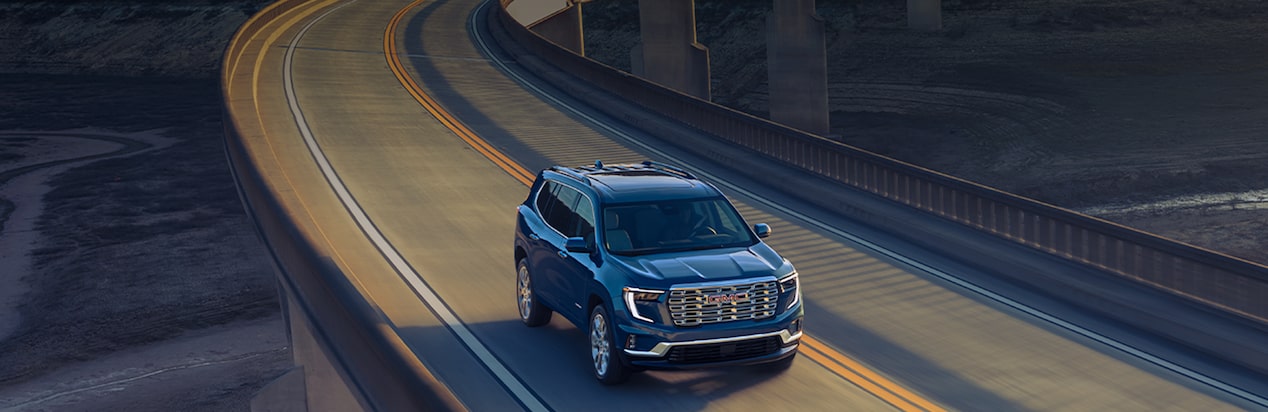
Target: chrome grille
x=692 y=306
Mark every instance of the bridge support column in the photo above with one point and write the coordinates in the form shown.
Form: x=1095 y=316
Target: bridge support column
x=669 y=54
x=284 y=394
x=564 y=28
x=796 y=65
x=314 y=384
x=924 y=14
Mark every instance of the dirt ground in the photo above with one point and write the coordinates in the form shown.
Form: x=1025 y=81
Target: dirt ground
x=132 y=278
x=145 y=287
x=138 y=244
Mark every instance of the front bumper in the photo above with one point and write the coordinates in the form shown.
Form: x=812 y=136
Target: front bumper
x=710 y=353
x=658 y=346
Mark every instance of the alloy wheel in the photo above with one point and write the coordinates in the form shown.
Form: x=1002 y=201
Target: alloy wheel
x=600 y=351
x=525 y=289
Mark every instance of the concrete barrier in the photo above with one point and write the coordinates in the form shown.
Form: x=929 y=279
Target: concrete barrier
x=348 y=356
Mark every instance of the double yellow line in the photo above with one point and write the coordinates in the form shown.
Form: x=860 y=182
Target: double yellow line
x=821 y=353
x=445 y=118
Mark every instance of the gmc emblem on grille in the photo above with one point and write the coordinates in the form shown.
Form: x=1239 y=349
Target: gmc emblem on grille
x=727 y=298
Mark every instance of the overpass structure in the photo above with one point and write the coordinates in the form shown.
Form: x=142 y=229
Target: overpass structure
x=670 y=56
x=381 y=146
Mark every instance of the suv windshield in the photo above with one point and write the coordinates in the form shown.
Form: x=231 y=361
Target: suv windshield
x=673 y=226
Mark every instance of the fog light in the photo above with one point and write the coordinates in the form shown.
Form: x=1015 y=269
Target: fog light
x=629 y=342
x=795 y=326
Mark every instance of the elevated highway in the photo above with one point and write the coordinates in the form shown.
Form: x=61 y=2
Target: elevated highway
x=382 y=146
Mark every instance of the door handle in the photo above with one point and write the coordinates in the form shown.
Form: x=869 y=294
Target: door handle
x=562 y=254
x=534 y=236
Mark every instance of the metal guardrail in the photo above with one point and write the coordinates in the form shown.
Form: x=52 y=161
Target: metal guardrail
x=1233 y=285
x=372 y=361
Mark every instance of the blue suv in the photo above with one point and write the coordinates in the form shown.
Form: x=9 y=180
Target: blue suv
x=657 y=267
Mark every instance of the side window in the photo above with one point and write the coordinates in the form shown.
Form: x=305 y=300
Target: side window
x=585 y=220
x=566 y=210
x=546 y=198
x=562 y=217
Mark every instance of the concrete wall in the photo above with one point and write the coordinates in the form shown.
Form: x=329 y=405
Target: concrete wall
x=669 y=54
x=797 y=66
x=564 y=28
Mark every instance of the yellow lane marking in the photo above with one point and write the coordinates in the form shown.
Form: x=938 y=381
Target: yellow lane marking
x=393 y=338
x=445 y=118
x=838 y=363
x=865 y=378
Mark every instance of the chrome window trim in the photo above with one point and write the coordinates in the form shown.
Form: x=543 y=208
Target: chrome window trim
x=662 y=348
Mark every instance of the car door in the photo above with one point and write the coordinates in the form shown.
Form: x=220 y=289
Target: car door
x=544 y=242
x=555 y=266
x=579 y=267
x=566 y=273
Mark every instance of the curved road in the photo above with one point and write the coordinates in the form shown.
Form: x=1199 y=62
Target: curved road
x=422 y=220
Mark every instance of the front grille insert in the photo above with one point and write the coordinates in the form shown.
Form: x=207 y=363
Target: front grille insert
x=722 y=352
x=694 y=306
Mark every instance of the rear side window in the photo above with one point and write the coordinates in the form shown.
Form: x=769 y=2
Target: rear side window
x=546 y=198
x=563 y=216
x=566 y=210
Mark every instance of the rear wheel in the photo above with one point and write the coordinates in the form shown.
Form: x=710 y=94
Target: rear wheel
x=608 y=368
x=532 y=311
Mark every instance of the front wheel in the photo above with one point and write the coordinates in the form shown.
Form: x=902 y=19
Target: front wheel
x=532 y=311
x=608 y=368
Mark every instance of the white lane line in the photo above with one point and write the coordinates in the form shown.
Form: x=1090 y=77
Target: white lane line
x=1128 y=349
x=464 y=334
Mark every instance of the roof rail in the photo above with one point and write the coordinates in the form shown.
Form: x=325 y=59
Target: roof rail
x=568 y=171
x=579 y=173
x=675 y=169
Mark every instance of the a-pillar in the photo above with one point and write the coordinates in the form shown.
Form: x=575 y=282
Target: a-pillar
x=924 y=14
x=668 y=53
x=797 y=66
x=564 y=27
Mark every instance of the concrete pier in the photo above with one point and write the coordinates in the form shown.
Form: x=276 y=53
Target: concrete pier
x=797 y=66
x=924 y=14
x=669 y=54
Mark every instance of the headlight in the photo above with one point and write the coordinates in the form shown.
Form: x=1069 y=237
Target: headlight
x=633 y=296
x=791 y=283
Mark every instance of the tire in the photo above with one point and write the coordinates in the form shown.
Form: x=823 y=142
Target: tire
x=778 y=366
x=604 y=358
x=532 y=312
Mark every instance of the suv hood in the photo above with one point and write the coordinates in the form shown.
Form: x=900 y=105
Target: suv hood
x=707 y=265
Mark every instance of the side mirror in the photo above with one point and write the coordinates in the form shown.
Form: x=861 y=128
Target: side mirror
x=577 y=245
x=762 y=229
